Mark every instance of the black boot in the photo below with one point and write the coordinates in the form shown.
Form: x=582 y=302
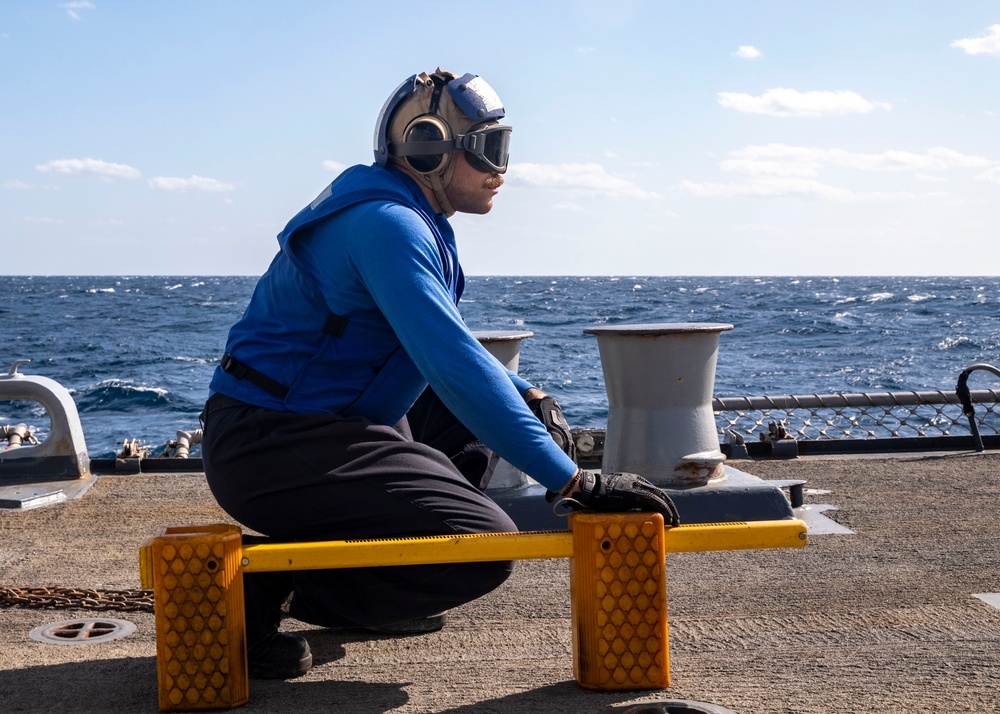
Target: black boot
x=271 y=654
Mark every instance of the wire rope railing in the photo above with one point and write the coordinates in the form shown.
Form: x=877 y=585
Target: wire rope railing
x=877 y=415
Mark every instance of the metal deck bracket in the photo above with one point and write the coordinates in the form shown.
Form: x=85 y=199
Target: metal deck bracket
x=28 y=470
x=63 y=454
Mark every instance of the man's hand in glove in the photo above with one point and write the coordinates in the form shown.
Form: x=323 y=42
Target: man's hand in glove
x=617 y=492
x=550 y=414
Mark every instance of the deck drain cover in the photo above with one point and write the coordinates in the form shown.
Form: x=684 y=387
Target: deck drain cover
x=82 y=632
x=668 y=706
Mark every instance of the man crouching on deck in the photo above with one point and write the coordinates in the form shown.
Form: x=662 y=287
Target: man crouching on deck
x=353 y=402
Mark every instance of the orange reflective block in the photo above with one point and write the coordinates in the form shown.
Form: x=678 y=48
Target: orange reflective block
x=619 y=601
x=200 y=628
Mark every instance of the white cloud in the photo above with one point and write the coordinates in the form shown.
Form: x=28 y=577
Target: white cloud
x=779 y=169
x=783 y=160
x=43 y=221
x=748 y=52
x=195 y=183
x=71 y=8
x=782 y=102
x=334 y=166
x=107 y=171
x=95 y=167
x=988 y=44
x=992 y=175
x=586 y=178
x=785 y=186
x=18 y=185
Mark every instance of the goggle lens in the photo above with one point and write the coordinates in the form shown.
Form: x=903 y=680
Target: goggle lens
x=488 y=149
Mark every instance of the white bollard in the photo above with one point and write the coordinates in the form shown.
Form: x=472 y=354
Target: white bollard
x=659 y=380
x=506 y=347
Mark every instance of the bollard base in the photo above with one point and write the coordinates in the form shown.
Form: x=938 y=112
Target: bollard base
x=738 y=496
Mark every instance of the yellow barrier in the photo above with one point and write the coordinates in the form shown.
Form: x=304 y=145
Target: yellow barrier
x=474 y=547
x=618 y=591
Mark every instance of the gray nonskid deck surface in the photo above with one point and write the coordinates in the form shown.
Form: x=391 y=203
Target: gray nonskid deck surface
x=883 y=620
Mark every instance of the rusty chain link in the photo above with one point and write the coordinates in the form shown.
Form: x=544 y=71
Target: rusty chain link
x=77 y=599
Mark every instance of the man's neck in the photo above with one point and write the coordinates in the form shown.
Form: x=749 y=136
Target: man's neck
x=428 y=191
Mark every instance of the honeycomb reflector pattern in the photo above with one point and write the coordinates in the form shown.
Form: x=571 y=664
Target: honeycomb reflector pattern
x=200 y=628
x=619 y=601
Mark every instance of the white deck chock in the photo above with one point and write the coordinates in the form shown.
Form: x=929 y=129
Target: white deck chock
x=63 y=453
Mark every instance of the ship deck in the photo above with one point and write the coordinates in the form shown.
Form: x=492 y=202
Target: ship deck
x=884 y=619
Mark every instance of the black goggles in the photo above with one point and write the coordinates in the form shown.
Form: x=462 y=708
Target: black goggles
x=486 y=148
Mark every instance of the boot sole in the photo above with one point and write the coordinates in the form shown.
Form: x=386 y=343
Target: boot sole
x=280 y=670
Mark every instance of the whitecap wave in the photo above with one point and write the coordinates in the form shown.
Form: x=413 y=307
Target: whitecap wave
x=951 y=343
x=879 y=297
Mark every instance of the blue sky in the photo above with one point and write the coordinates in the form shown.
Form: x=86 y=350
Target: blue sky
x=650 y=138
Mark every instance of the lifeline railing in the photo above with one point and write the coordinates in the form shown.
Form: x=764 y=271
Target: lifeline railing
x=861 y=416
x=876 y=415
x=790 y=425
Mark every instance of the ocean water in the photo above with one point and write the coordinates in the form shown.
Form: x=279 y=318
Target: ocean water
x=137 y=353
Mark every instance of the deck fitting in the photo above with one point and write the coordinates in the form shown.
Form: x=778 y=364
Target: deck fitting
x=667 y=706
x=82 y=632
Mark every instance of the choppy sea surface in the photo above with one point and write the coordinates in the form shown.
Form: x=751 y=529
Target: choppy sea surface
x=137 y=353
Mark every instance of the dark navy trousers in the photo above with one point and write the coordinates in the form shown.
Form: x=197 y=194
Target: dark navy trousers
x=307 y=477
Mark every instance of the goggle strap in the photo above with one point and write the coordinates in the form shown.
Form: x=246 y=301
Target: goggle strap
x=473 y=141
x=439 y=85
x=426 y=148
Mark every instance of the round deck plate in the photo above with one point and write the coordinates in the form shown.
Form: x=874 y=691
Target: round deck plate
x=82 y=632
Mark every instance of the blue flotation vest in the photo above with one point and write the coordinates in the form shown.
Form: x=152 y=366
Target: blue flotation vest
x=289 y=352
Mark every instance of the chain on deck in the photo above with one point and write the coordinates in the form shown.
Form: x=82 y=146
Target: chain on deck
x=54 y=598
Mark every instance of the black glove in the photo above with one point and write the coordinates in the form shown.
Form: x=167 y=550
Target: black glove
x=550 y=414
x=620 y=492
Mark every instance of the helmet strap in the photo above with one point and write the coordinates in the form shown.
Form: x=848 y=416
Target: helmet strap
x=437 y=186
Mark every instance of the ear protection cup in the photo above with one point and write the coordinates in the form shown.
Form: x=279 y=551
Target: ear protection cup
x=427 y=128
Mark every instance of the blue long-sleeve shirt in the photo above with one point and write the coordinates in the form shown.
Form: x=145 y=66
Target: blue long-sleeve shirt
x=389 y=268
